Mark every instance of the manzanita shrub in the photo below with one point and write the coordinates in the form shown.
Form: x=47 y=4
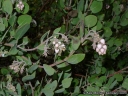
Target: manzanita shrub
x=63 y=47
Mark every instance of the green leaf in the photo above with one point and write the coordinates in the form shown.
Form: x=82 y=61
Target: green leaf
x=123 y=20
x=61 y=65
x=108 y=32
x=25 y=40
x=118 y=42
x=66 y=82
x=61 y=3
x=57 y=30
x=41 y=47
x=126 y=13
x=59 y=76
x=49 y=88
x=90 y=20
x=48 y=69
x=5 y=22
x=60 y=90
x=18 y=87
x=48 y=92
x=113 y=84
x=81 y=29
x=4 y=71
x=77 y=58
x=111 y=42
x=2 y=93
x=98 y=70
x=2 y=27
x=24 y=19
x=125 y=84
x=44 y=36
x=13 y=51
x=32 y=68
x=74 y=21
x=28 y=77
x=0 y=2
x=118 y=77
x=21 y=31
x=98 y=26
x=80 y=5
x=110 y=81
x=7 y=6
x=52 y=86
x=96 y=6
x=26 y=8
x=103 y=70
x=75 y=43
x=100 y=80
x=12 y=20
x=103 y=79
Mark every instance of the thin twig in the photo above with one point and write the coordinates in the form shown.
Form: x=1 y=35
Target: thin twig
x=120 y=71
x=56 y=63
x=31 y=88
x=33 y=49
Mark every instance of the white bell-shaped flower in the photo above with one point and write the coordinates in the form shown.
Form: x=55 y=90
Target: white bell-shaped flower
x=105 y=47
x=57 y=50
x=99 y=46
x=57 y=45
x=53 y=42
x=102 y=41
x=97 y=49
x=102 y=50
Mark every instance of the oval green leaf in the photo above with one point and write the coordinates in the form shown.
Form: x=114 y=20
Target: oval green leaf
x=125 y=84
x=75 y=59
x=48 y=69
x=23 y=19
x=4 y=71
x=90 y=20
x=7 y=6
x=21 y=31
x=96 y=6
x=32 y=68
x=108 y=31
x=28 y=77
x=2 y=27
x=66 y=82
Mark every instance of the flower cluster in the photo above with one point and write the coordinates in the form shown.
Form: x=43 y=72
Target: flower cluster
x=20 y=5
x=58 y=46
x=101 y=47
x=11 y=87
x=17 y=66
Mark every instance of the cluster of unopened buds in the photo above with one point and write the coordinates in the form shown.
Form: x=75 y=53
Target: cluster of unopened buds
x=16 y=66
x=20 y=5
x=11 y=87
x=101 y=47
x=58 y=47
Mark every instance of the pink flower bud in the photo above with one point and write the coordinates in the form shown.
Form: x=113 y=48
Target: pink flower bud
x=57 y=45
x=99 y=53
x=99 y=46
x=97 y=49
x=53 y=42
x=20 y=2
x=57 y=50
x=102 y=41
x=102 y=50
x=105 y=47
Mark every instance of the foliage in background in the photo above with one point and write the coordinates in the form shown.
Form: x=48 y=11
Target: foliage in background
x=63 y=47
